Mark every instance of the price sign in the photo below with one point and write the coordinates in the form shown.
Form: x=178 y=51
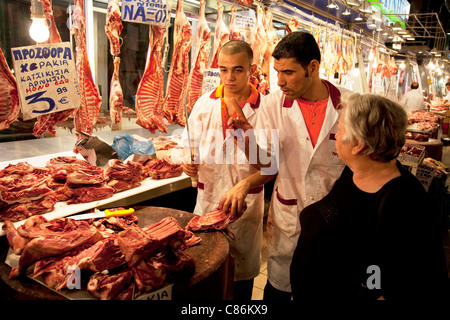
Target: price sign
x=211 y=80
x=161 y=294
x=46 y=79
x=154 y=12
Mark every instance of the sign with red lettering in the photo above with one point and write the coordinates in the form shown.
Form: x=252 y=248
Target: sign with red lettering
x=46 y=78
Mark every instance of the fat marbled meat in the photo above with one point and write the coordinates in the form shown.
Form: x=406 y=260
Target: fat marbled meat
x=9 y=97
x=149 y=95
x=144 y=258
x=86 y=115
x=177 y=80
x=202 y=49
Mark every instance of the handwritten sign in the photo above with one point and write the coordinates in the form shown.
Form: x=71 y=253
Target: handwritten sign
x=154 y=12
x=211 y=80
x=46 y=78
x=161 y=294
x=246 y=22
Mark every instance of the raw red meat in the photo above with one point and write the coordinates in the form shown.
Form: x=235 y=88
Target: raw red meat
x=107 y=286
x=86 y=175
x=178 y=77
x=90 y=193
x=9 y=97
x=87 y=114
x=21 y=211
x=55 y=242
x=222 y=35
x=214 y=220
x=124 y=176
x=149 y=95
x=15 y=241
x=47 y=121
x=203 y=47
x=162 y=169
x=235 y=34
x=115 y=95
x=113 y=26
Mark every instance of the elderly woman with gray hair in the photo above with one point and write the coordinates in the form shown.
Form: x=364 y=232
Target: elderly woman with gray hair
x=373 y=236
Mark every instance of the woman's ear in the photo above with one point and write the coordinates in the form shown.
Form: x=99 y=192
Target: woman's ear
x=358 y=147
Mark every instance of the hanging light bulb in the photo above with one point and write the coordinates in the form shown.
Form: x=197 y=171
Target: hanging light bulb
x=346 y=12
x=38 y=30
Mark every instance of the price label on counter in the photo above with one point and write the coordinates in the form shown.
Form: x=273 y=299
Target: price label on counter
x=46 y=78
x=154 y=12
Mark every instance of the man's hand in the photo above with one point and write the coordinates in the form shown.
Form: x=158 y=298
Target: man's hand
x=190 y=169
x=234 y=200
x=238 y=119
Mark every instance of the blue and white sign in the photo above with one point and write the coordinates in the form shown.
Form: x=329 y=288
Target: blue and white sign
x=46 y=78
x=154 y=12
x=211 y=80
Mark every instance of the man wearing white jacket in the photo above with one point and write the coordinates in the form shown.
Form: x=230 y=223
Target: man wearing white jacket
x=220 y=165
x=305 y=111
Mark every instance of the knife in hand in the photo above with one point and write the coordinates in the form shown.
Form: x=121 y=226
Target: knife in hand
x=103 y=214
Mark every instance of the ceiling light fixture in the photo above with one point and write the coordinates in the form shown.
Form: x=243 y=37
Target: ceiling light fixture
x=346 y=12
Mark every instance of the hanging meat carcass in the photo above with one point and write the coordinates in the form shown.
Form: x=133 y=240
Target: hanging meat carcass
x=47 y=121
x=9 y=97
x=177 y=80
x=115 y=95
x=149 y=95
x=292 y=26
x=54 y=36
x=259 y=49
x=87 y=114
x=235 y=34
x=113 y=26
x=203 y=47
x=221 y=35
x=271 y=40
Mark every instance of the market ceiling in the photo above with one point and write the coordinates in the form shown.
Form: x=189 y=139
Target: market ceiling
x=428 y=22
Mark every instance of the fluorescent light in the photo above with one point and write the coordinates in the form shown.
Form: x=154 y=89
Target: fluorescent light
x=353 y=3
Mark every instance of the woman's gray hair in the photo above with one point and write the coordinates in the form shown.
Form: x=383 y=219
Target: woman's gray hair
x=376 y=121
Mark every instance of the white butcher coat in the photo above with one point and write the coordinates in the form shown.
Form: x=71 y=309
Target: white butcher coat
x=217 y=175
x=305 y=175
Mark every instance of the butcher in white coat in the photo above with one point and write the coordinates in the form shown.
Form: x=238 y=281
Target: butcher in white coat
x=219 y=164
x=305 y=111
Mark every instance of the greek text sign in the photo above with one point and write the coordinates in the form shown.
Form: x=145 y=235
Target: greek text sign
x=211 y=80
x=46 y=78
x=155 y=12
